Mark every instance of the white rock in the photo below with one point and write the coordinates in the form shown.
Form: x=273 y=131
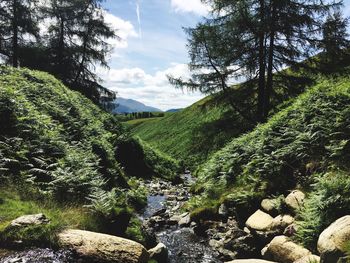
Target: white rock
x=27 y=220
x=333 y=239
x=295 y=200
x=259 y=221
x=102 y=247
x=281 y=249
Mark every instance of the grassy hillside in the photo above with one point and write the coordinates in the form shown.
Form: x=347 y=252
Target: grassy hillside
x=200 y=130
x=57 y=146
x=306 y=145
x=194 y=133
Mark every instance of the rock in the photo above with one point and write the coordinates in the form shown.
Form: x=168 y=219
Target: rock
x=159 y=212
x=29 y=220
x=333 y=239
x=259 y=221
x=295 y=200
x=250 y=261
x=159 y=253
x=185 y=221
x=281 y=222
x=223 y=211
x=309 y=259
x=174 y=220
x=102 y=248
x=281 y=249
x=270 y=206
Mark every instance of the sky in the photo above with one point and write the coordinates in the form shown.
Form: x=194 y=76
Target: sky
x=152 y=45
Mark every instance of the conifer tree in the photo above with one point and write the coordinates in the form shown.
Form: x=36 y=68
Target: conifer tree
x=253 y=39
x=335 y=37
x=18 y=27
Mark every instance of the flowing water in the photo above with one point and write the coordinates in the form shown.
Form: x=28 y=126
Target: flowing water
x=40 y=256
x=182 y=243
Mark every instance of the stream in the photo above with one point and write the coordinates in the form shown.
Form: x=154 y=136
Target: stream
x=182 y=244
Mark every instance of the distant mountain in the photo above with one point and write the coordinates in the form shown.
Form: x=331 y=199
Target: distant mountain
x=174 y=110
x=129 y=105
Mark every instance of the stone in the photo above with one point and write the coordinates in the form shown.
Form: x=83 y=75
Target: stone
x=333 y=239
x=249 y=261
x=159 y=253
x=101 y=247
x=223 y=211
x=29 y=220
x=269 y=206
x=174 y=220
x=281 y=222
x=309 y=259
x=259 y=221
x=159 y=212
x=185 y=221
x=281 y=249
x=295 y=200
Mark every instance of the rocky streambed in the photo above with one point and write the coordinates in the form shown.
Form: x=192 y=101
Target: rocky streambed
x=175 y=237
x=164 y=218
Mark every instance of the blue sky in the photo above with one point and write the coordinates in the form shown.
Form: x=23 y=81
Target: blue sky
x=153 y=44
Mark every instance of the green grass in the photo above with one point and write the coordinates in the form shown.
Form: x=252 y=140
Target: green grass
x=276 y=157
x=13 y=205
x=193 y=134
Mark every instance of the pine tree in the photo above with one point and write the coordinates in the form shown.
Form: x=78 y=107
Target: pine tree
x=335 y=37
x=18 y=26
x=253 y=39
x=76 y=42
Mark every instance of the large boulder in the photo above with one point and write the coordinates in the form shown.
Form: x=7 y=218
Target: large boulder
x=250 y=261
x=295 y=200
x=159 y=253
x=96 y=247
x=259 y=221
x=333 y=239
x=281 y=249
x=30 y=220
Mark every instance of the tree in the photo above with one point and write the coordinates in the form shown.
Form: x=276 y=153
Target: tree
x=18 y=26
x=251 y=39
x=335 y=37
x=77 y=41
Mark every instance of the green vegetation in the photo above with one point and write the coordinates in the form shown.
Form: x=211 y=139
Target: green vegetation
x=311 y=135
x=194 y=133
x=57 y=146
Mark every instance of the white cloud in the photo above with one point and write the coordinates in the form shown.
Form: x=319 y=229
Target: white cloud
x=154 y=90
x=124 y=30
x=190 y=6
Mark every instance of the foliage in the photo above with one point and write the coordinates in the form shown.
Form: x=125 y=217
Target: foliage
x=275 y=157
x=335 y=36
x=328 y=201
x=256 y=38
x=61 y=151
x=19 y=25
x=140 y=159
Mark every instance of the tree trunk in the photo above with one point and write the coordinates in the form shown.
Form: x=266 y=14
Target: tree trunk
x=262 y=66
x=269 y=82
x=60 y=51
x=15 y=35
